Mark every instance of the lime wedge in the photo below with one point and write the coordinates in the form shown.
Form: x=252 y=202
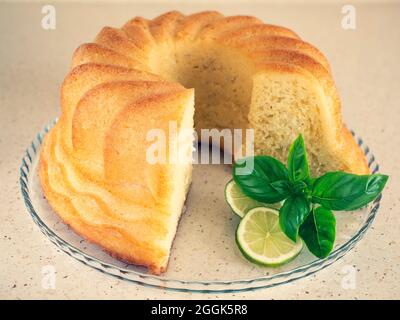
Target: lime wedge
x=262 y=241
x=240 y=203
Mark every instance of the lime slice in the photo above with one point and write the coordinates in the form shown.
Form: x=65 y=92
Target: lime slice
x=240 y=203
x=262 y=241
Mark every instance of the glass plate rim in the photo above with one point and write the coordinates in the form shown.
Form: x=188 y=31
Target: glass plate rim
x=204 y=286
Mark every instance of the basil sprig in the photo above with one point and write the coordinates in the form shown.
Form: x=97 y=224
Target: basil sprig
x=309 y=201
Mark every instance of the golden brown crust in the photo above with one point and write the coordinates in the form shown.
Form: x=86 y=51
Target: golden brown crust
x=216 y=28
x=96 y=53
x=92 y=169
x=191 y=25
x=256 y=45
x=163 y=27
x=117 y=40
x=256 y=30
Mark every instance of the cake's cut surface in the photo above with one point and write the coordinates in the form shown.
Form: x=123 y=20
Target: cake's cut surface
x=94 y=166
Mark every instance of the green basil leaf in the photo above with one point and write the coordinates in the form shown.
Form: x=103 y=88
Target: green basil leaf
x=283 y=187
x=292 y=214
x=318 y=231
x=344 y=191
x=261 y=183
x=297 y=160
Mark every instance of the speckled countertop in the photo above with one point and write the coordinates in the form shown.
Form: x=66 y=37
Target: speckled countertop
x=34 y=62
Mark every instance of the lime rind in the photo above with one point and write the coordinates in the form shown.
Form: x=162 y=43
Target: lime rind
x=278 y=249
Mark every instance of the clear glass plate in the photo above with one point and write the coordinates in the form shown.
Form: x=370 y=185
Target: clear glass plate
x=204 y=256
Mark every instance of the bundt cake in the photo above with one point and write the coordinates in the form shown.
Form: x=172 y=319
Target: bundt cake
x=245 y=74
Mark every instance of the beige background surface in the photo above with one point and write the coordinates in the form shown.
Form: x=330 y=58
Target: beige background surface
x=33 y=62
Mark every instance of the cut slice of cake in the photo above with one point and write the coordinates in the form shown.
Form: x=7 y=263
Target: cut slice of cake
x=125 y=205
